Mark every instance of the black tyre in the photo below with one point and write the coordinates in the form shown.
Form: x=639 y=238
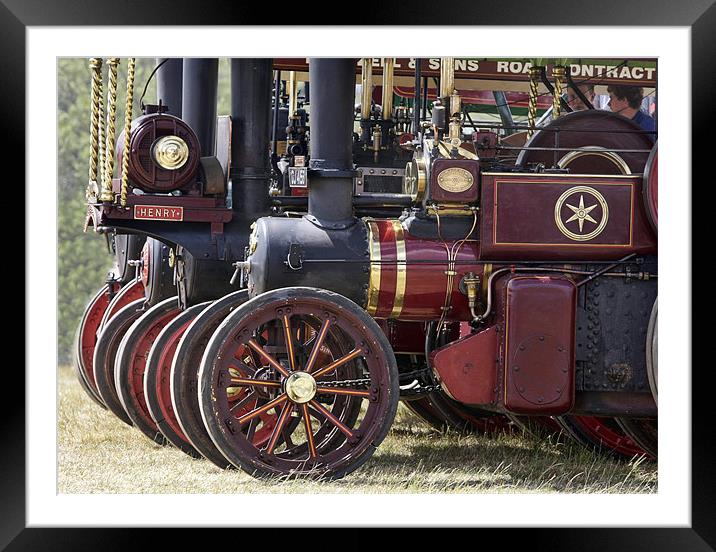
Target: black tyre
x=157 y=379
x=105 y=352
x=131 y=362
x=357 y=374
x=184 y=374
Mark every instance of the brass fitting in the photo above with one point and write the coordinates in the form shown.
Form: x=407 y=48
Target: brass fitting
x=472 y=285
x=366 y=87
x=447 y=77
x=387 y=102
x=377 y=136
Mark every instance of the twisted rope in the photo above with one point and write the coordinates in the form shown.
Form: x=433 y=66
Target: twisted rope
x=107 y=193
x=127 y=129
x=96 y=66
x=532 y=105
x=558 y=72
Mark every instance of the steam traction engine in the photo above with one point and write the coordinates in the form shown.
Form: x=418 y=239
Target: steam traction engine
x=484 y=294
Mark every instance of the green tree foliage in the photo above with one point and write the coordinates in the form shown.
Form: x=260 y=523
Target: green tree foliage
x=83 y=258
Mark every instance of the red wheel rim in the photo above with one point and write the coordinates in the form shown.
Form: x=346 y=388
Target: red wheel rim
x=185 y=373
x=290 y=381
x=131 y=363
x=128 y=294
x=162 y=383
x=605 y=433
x=87 y=339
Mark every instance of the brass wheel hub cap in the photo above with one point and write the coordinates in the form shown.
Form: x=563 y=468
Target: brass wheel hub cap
x=300 y=387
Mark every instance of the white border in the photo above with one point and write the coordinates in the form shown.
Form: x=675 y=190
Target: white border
x=671 y=506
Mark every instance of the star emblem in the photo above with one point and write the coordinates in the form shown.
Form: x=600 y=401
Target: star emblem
x=581 y=213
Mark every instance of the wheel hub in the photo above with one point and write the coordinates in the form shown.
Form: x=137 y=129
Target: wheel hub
x=300 y=387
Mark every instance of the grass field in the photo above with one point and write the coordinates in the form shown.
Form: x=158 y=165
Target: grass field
x=97 y=453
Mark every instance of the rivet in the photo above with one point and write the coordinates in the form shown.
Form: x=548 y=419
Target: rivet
x=516 y=368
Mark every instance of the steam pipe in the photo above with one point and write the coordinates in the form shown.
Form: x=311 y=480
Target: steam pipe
x=250 y=115
x=200 y=78
x=387 y=101
x=447 y=78
x=416 y=100
x=331 y=165
x=366 y=80
x=292 y=93
x=169 y=84
x=274 y=124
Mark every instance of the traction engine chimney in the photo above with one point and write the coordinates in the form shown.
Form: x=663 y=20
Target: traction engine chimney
x=330 y=197
x=169 y=84
x=200 y=80
x=251 y=82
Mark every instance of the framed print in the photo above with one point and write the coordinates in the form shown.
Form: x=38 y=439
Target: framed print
x=586 y=223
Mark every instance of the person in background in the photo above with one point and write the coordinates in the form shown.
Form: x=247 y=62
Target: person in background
x=626 y=100
x=573 y=99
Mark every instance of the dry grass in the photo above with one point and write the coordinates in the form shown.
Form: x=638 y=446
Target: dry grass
x=99 y=454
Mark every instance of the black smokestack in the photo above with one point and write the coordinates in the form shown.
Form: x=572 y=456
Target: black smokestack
x=251 y=82
x=330 y=198
x=169 y=84
x=200 y=81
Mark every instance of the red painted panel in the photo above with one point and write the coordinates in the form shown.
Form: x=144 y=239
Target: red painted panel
x=467 y=367
x=445 y=194
x=539 y=345
x=575 y=217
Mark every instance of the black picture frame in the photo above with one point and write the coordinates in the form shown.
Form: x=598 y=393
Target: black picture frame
x=700 y=16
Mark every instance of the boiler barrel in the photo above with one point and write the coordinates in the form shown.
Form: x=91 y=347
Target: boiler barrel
x=408 y=275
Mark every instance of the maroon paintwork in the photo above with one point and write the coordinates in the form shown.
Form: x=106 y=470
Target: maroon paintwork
x=195 y=209
x=539 y=345
x=467 y=367
x=426 y=283
x=440 y=195
x=651 y=187
x=518 y=217
x=404 y=337
x=143 y=171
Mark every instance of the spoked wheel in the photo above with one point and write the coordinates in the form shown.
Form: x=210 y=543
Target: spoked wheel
x=86 y=339
x=185 y=374
x=644 y=432
x=345 y=401
x=131 y=362
x=156 y=379
x=105 y=352
x=128 y=294
x=599 y=434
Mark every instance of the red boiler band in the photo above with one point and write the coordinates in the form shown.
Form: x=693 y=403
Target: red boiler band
x=409 y=275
